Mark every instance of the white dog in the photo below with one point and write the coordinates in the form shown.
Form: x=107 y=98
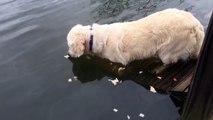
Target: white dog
x=170 y=34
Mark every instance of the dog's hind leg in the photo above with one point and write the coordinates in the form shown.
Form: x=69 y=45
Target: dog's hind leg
x=171 y=53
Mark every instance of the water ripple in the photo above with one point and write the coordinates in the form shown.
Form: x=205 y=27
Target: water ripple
x=12 y=35
x=5 y=26
x=2 y=2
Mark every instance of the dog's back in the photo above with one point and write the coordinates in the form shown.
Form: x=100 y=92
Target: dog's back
x=170 y=34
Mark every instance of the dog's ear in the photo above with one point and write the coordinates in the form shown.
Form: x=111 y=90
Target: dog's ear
x=77 y=47
x=76 y=41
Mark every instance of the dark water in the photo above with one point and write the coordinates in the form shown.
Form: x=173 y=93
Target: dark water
x=34 y=74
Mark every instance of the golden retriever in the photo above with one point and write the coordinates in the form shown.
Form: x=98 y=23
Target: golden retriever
x=170 y=34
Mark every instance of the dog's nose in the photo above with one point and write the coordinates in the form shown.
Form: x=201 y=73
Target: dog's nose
x=69 y=55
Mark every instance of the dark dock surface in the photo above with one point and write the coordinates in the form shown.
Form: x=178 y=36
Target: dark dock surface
x=148 y=72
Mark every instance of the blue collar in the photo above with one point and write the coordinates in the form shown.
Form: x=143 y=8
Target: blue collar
x=91 y=39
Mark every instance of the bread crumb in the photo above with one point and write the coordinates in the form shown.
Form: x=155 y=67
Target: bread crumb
x=115 y=110
x=75 y=77
x=121 y=68
x=175 y=79
x=141 y=115
x=140 y=72
x=69 y=80
x=114 y=82
x=128 y=117
x=66 y=56
x=152 y=89
x=159 y=77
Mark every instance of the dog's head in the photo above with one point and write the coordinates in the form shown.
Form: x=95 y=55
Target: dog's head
x=76 y=40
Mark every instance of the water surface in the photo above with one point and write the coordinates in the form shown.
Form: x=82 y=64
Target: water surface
x=34 y=74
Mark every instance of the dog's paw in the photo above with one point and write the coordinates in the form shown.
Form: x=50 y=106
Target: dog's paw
x=169 y=60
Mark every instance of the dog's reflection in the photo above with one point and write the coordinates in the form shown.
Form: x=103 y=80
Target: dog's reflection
x=88 y=68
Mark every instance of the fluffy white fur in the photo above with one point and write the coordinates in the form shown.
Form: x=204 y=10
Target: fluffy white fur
x=170 y=34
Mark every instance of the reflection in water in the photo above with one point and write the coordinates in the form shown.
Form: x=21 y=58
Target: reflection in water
x=90 y=68
x=86 y=71
x=145 y=72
